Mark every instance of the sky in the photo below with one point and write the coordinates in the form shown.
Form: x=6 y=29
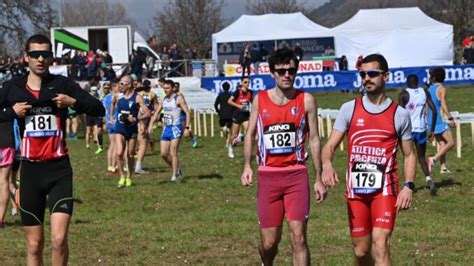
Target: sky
x=143 y=11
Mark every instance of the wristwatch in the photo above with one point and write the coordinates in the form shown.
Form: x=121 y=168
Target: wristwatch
x=410 y=185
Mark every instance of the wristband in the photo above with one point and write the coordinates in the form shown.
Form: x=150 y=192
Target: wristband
x=410 y=185
x=451 y=118
x=186 y=127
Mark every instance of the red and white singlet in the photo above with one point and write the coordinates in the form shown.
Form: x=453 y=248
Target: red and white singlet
x=372 y=152
x=281 y=131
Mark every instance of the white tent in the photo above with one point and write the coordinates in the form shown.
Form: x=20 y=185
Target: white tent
x=407 y=37
x=268 y=27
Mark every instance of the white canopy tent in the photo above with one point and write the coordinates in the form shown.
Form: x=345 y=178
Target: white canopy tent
x=407 y=37
x=268 y=27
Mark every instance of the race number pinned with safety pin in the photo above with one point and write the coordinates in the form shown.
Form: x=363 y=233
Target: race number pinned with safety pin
x=280 y=138
x=41 y=125
x=366 y=177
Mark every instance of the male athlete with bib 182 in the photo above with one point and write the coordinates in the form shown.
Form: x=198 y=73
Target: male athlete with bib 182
x=375 y=126
x=283 y=118
x=46 y=173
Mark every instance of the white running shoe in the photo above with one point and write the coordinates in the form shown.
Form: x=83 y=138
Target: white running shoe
x=173 y=179
x=445 y=171
x=139 y=171
x=230 y=151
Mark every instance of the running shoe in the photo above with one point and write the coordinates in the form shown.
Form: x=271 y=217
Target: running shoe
x=431 y=186
x=194 y=142
x=139 y=171
x=431 y=161
x=125 y=167
x=15 y=197
x=173 y=179
x=99 y=150
x=121 y=182
x=88 y=146
x=230 y=151
x=180 y=173
x=128 y=182
x=445 y=170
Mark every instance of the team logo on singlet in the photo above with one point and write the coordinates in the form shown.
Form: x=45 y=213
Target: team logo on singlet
x=360 y=122
x=411 y=106
x=294 y=110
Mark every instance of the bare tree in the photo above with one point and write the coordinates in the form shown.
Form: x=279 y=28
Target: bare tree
x=94 y=13
x=260 y=7
x=20 y=18
x=190 y=23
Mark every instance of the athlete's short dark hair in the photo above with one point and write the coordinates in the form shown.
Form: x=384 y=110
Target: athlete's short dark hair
x=169 y=82
x=162 y=80
x=439 y=74
x=40 y=39
x=377 y=58
x=412 y=81
x=282 y=56
x=176 y=84
x=226 y=86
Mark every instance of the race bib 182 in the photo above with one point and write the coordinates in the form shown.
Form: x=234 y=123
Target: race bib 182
x=280 y=138
x=41 y=126
x=366 y=178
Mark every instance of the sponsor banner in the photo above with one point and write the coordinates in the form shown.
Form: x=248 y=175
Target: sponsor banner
x=235 y=70
x=58 y=70
x=344 y=80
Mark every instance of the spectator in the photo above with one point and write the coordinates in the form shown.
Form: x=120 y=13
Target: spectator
x=358 y=64
x=137 y=64
x=468 y=53
x=106 y=57
x=343 y=64
x=255 y=54
x=298 y=51
x=188 y=56
x=245 y=60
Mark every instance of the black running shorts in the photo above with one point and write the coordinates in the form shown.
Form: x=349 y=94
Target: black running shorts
x=44 y=183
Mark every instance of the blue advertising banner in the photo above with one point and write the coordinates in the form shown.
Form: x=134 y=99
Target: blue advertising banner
x=344 y=80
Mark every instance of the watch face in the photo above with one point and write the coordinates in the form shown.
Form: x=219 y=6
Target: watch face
x=410 y=185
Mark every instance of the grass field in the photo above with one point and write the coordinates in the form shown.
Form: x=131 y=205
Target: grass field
x=209 y=219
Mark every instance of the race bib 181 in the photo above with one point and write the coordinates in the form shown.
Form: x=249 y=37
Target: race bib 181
x=366 y=178
x=41 y=126
x=280 y=138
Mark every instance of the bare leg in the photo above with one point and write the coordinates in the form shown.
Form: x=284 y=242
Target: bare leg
x=268 y=248
x=362 y=246
x=298 y=243
x=381 y=246
x=59 y=230
x=4 y=190
x=35 y=242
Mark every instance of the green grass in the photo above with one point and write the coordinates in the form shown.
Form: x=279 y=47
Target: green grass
x=208 y=218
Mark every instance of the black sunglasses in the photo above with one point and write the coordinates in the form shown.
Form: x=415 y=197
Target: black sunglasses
x=37 y=54
x=282 y=71
x=371 y=73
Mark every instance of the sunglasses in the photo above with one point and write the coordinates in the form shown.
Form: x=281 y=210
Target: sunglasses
x=245 y=82
x=282 y=71
x=37 y=54
x=124 y=83
x=371 y=73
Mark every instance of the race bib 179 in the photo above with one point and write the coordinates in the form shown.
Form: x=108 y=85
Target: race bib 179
x=366 y=178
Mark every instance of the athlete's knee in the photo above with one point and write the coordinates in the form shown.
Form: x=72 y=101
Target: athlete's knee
x=164 y=154
x=35 y=246
x=381 y=246
x=59 y=242
x=270 y=243
x=361 y=249
x=298 y=240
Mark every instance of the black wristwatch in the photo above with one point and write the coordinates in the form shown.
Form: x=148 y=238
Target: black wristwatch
x=187 y=127
x=410 y=185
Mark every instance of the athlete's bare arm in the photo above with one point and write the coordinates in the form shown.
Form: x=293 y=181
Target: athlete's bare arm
x=234 y=104
x=182 y=103
x=444 y=106
x=145 y=111
x=112 y=108
x=403 y=98
x=311 y=111
x=246 y=178
x=405 y=196
x=433 y=110
x=329 y=175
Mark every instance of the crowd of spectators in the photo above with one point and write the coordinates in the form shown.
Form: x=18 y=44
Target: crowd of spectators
x=12 y=67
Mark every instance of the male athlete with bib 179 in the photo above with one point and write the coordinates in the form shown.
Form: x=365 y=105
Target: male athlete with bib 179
x=283 y=118
x=40 y=101
x=375 y=126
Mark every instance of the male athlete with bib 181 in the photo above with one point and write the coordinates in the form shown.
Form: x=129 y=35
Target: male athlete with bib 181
x=375 y=126
x=283 y=118
x=46 y=173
